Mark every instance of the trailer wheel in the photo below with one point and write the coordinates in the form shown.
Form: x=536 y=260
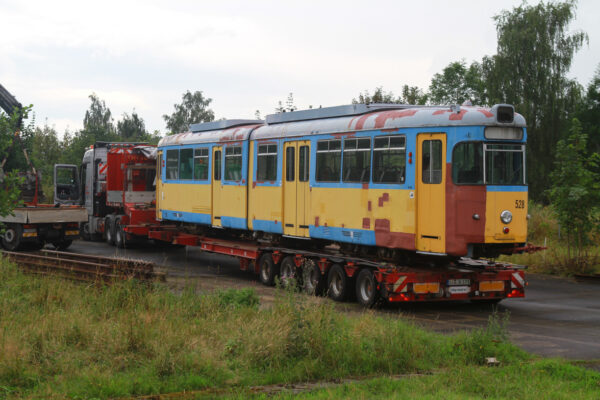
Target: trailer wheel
x=268 y=270
x=120 y=238
x=63 y=244
x=366 y=288
x=338 y=283
x=287 y=271
x=313 y=282
x=11 y=240
x=85 y=232
x=109 y=228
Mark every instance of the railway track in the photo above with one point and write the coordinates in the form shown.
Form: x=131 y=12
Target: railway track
x=83 y=267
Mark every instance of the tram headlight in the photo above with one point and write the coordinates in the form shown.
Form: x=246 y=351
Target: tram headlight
x=506 y=216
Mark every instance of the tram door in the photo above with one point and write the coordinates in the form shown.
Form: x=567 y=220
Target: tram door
x=296 y=196
x=431 y=192
x=216 y=185
x=159 y=188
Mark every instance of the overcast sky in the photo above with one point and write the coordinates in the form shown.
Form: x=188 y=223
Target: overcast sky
x=245 y=55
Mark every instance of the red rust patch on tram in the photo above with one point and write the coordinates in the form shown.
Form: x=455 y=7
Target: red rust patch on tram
x=384 y=237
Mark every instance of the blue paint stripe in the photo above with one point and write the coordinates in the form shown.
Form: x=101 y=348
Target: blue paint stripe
x=506 y=188
x=356 y=236
x=267 y=226
x=195 y=218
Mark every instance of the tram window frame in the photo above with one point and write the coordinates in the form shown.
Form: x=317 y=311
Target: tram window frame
x=384 y=147
x=186 y=164
x=172 y=165
x=328 y=154
x=217 y=161
x=492 y=151
x=290 y=164
x=233 y=163
x=485 y=158
x=201 y=159
x=430 y=173
x=266 y=162
x=354 y=148
x=303 y=163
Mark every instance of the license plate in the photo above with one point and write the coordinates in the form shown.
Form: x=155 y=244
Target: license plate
x=491 y=286
x=459 y=289
x=426 y=287
x=458 y=282
x=70 y=233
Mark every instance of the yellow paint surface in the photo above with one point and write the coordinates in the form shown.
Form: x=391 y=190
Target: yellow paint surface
x=496 y=203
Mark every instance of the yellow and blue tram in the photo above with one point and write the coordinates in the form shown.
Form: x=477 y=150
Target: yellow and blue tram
x=420 y=179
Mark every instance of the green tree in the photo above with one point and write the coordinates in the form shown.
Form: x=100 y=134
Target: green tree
x=534 y=54
x=46 y=151
x=98 y=126
x=575 y=192
x=589 y=112
x=131 y=128
x=9 y=181
x=413 y=95
x=410 y=95
x=193 y=109
x=458 y=83
x=379 y=96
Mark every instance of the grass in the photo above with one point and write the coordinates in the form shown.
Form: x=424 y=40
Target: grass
x=543 y=230
x=61 y=339
x=546 y=379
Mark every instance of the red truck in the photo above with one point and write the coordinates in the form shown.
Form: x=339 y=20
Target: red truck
x=117 y=191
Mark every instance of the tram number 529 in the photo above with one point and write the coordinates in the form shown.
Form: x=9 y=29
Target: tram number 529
x=519 y=203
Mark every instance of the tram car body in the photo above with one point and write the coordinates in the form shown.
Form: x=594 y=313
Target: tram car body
x=409 y=179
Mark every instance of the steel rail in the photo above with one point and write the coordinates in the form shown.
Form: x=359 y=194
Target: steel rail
x=85 y=268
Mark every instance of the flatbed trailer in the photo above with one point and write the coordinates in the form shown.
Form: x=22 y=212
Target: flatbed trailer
x=342 y=277
x=40 y=224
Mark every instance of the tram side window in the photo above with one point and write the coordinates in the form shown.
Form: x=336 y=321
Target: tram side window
x=186 y=161
x=357 y=160
x=290 y=162
x=389 y=159
x=266 y=163
x=467 y=163
x=200 y=164
x=432 y=161
x=233 y=163
x=303 y=163
x=504 y=164
x=172 y=164
x=329 y=157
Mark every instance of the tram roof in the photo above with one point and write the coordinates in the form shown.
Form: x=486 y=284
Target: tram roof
x=352 y=118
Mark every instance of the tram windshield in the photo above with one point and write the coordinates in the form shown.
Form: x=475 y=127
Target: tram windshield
x=476 y=163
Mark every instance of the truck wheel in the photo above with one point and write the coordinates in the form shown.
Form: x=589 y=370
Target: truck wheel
x=11 y=240
x=313 y=282
x=287 y=271
x=268 y=270
x=109 y=228
x=62 y=245
x=338 y=283
x=85 y=232
x=120 y=238
x=366 y=288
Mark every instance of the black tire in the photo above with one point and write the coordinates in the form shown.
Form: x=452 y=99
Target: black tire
x=12 y=237
x=120 y=237
x=109 y=229
x=85 y=232
x=288 y=272
x=366 y=288
x=268 y=270
x=338 y=283
x=313 y=281
x=62 y=245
